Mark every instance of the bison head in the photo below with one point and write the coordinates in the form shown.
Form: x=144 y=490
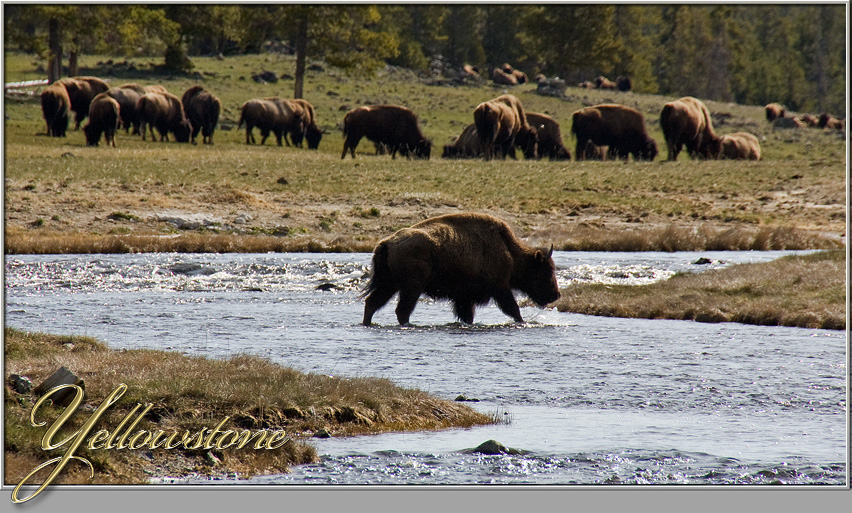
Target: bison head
x=313 y=135
x=182 y=131
x=423 y=149
x=649 y=151
x=539 y=280
x=527 y=140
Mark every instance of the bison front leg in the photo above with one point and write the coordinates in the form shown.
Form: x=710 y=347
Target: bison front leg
x=506 y=302
x=408 y=297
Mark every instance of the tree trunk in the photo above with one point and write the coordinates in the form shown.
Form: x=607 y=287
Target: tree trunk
x=301 y=51
x=54 y=56
x=73 y=67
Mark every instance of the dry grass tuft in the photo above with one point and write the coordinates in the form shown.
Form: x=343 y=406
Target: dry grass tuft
x=802 y=291
x=188 y=393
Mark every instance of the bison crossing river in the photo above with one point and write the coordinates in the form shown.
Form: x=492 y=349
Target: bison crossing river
x=466 y=258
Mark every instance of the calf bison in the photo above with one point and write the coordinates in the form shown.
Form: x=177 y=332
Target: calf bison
x=55 y=106
x=687 y=122
x=501 y=124
x=737 y=146
x=549 y=137
x=202 y=110
x=617 y=126
x=81 y=92
x=273 y=115
x=466 y=146
x=103 y=119
x=774 y=111
x=164 y=112
x=466 y=258
x=391 y=125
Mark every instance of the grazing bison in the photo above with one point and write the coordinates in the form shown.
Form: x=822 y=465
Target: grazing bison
x=809 y=120
x=127 y=96
x=826 y=120
x=466 y=146
x=466 y=258
x=164 y=112
x=605 y=83
x=774 y=111
x=617 y=126
x=81 y=92
x=103 y=119
x=737 y=146
x=202 y=110
x=55 y=106
x=309 y=130
x=391 y=125
x=549 y=137
x=273 y=115
x=687 y=122
x=501 y=124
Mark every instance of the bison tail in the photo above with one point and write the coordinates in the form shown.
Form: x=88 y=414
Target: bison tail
x=380 y=273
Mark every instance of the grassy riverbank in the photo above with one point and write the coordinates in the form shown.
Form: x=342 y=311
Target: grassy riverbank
x=188 y=393
x=804 y=291
x=149 y=196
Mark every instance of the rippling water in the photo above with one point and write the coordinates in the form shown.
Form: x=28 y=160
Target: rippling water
x=589 y=400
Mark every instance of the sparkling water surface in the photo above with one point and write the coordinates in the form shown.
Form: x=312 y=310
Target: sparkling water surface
x=587 y=399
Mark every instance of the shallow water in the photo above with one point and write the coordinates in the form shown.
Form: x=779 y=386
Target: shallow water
x=589 y=399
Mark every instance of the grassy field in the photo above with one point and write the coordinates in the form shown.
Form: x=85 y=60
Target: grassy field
x=62 y=196
x=802 y=291
x=188 y=393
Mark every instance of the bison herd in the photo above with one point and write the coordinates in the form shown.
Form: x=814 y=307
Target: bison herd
x=500 y=125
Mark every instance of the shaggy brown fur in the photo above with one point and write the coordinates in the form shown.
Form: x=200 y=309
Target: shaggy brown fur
x=81 y=91
x=466 y=258
x=55 y=106
x=467 y=145
x=501 y=124
x=164 y=112
x=309 y=130
x=271 y=114
x=391 y=125
x=617 y=126
x=549 y=137
x=687 y=122
x=737 y=146
x=127 y=96
x=103 y=119
x=202 y=110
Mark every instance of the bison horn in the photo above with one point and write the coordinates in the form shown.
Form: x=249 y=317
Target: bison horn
x=550 y=253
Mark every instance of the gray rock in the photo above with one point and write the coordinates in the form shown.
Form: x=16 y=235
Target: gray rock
x=492 y=447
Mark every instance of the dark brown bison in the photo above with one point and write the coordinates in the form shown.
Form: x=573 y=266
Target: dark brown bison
x=549 y=137
x=270 y=115
x=736 y=146
x=391 y=125
x=55 y=106
x=466 y=258
x=617 y=126
x=103 y=119
x=308 y=129
x=623 y=83
x=501 y=124
x=81 y=92
x=127 y=96
x=774 y=111
x=605 y=83
x=164 y=112
x=202 y=110
x=687 y=122
x=826 y=120
x=466 y=146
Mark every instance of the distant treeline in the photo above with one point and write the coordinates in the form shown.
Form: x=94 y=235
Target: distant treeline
x=750 y=54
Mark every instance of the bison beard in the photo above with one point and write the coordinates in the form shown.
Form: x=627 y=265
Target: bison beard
x=466 y=258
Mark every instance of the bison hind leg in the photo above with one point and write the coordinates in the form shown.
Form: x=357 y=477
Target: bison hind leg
x=376 y=299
